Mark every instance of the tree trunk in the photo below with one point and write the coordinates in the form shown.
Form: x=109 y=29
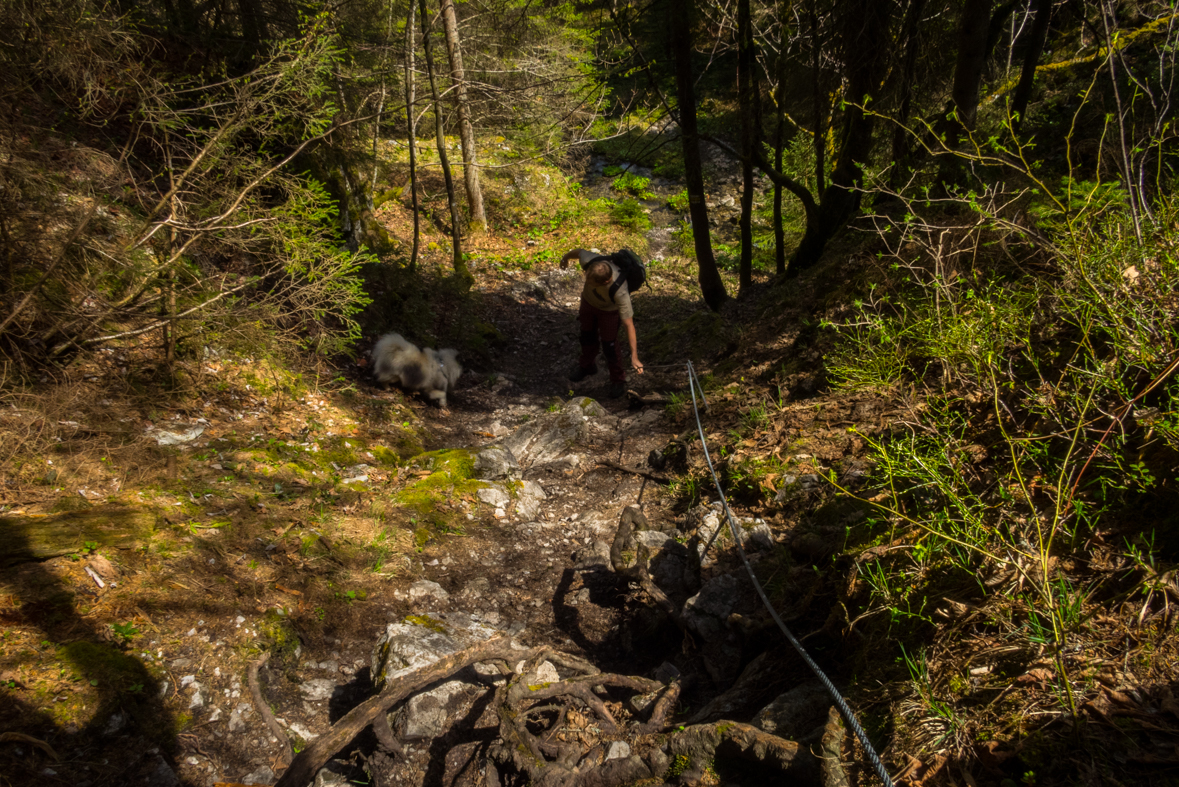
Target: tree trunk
x=253 y=22
x=779 y=231
x=973 y=30
x=902 y=135
x=460 y=265
x=412 y=134
x=865 y=36
x=747 y=97
x=1031 y=57
x=466 y=132
x=820 y=138
x=384 y=95
x=711 y=285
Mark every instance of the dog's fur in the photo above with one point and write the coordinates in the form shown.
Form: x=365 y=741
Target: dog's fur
x=431 y=372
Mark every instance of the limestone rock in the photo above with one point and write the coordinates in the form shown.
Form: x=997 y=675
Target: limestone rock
x=528 y=500
x=547 y=673
x=619 y=750
x=706 y=519
x=494 y=496
x=667 y=560
x=263 y=775
x=314 y=690
x=495 y=462
x=707 y=611
x=334 y=774
x=420 y=640
x=424 y=588
x=430 y=713
x=551 y=438
x=594 y=556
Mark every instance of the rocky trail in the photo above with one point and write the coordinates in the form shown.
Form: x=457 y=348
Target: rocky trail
x=504 y=593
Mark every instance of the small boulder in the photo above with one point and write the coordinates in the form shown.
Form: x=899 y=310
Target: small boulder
x=422 y=639
x=796 y=714
x=429 y=714
x=424 y=588
x=495 y=462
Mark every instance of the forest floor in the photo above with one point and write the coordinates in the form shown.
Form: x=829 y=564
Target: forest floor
x=161 y=529
x=154 y=546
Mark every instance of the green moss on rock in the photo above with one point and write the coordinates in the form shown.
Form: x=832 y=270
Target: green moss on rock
x=450 y=478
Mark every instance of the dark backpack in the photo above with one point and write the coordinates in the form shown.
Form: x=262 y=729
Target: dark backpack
x=631 y=269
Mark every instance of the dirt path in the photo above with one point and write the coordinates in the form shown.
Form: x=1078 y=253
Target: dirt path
x=274 y=524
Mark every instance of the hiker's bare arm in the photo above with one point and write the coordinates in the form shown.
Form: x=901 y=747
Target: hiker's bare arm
x=634 y=344
x=570 y=255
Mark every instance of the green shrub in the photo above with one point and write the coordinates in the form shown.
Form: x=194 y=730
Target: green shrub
x=679 y=202
x=630 y=183
x=629 y=213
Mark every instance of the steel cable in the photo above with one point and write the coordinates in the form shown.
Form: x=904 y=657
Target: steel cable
x=844 y=710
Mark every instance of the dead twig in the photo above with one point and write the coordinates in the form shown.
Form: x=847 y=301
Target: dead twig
x=644 y=474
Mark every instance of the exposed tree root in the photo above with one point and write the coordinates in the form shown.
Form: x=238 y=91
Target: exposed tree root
x=641 y=473
x=699 y=746
x=263 y=709
x=311 y=759
x=632 y=521
x=560 y=733
x=538 y=742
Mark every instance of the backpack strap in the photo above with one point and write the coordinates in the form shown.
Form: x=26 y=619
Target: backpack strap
x=621 y=280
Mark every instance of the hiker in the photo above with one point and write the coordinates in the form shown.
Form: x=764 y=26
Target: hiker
x=605 y=302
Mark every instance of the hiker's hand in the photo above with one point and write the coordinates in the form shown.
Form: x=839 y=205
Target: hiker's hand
x=638 y=367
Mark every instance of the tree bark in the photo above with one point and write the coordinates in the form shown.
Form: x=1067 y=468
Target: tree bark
x=779 y=231
x=1031 y=58
x=973 y=30
x=253 y=22
x=372 y=187
x=466 y=132
x=750 y=131
x=711 y=285
x=902 y=134
x=820 y=138
x=460 y=265
x=412 y=134
x=865 y=36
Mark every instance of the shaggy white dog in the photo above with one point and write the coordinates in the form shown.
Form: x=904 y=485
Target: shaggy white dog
x=431 y=372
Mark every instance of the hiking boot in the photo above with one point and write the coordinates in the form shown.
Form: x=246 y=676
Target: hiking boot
x=581 y=373
x=617 y=388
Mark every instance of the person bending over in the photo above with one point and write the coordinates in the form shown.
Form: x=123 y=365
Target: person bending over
x=605 y=303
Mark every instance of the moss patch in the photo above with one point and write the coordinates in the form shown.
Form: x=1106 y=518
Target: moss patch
x=426 y=622
x=40 y=537
x=435 y=498
x=279 y=634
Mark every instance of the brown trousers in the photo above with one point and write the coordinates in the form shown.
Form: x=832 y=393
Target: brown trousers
x=598 y=324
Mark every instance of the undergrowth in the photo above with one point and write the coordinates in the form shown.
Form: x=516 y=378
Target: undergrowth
x=1046 y=426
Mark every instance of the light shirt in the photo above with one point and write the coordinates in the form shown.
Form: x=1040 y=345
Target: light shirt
x=599 y=297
